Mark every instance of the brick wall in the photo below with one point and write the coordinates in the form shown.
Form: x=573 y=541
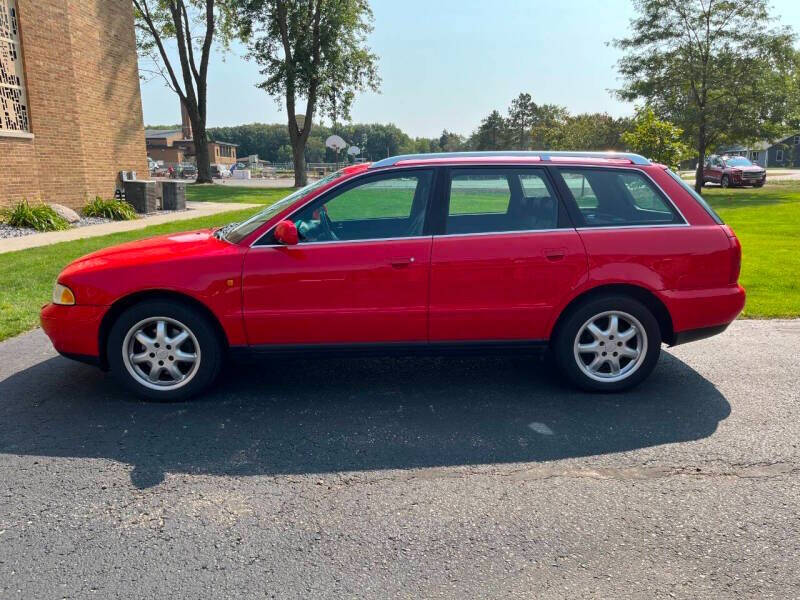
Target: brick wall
x=84 y=103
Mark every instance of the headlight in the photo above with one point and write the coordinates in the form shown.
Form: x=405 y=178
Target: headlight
x=63 y=295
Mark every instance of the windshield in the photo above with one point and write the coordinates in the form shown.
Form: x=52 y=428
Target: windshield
x=738 y=161
x=241 y=231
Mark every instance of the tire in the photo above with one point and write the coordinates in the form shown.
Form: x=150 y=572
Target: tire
x=758 y=185
x=634 y=364
x=725 y=182
x=172 y=337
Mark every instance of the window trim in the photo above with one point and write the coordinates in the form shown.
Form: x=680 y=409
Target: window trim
x=563 y=220
x=347 y=185
x=779 y=155
x=577 y=215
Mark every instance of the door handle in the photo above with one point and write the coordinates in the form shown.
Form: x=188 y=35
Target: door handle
x=555 y=253
x=399 y=263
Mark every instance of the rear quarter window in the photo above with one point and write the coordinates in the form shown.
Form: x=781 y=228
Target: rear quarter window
x=608 y=197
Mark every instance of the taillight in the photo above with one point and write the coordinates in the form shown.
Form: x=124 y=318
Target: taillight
x=736 y=254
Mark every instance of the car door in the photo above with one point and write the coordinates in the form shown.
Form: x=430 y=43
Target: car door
x=504 y=257
x=358 y=275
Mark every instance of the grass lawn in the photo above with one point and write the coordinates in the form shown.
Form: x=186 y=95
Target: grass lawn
x=232 y=193
x=767 y=221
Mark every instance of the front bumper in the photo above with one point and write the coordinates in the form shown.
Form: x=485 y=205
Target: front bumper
x=74 y=330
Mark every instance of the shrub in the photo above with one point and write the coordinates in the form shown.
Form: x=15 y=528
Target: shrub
x=118 y=210
x=39 y=217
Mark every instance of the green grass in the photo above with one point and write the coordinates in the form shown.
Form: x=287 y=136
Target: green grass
x=767 y=222
x=232 y=193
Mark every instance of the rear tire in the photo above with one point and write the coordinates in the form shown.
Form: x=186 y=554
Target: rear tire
x=164 y=350
x=607 y=344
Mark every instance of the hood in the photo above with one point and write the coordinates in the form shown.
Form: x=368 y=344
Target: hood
x=750 y=169
x=149 y=250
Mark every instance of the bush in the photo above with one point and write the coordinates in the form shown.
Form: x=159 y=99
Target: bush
x=39 y=217
x=118 y=210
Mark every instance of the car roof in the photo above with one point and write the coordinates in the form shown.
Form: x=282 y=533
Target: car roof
x=511 y=157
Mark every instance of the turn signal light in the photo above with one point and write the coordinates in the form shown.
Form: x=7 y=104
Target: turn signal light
x=63 y=295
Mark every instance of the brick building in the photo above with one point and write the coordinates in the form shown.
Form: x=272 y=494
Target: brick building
x=70 y=107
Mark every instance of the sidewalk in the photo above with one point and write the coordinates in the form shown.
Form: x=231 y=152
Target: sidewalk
x=196 y=209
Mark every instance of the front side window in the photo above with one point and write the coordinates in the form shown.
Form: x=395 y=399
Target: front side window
x=497 y=200
x=606 y=197
x=13 y=104
x=387 y=207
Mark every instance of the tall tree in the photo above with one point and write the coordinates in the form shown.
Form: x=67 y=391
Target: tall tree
x=715 y=68
x=311 y=49
x=522 y=116
x=158 y=22
x=492 y=133
x=656 y=139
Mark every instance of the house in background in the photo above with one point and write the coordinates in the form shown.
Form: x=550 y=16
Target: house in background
x=70 y=108
x=780 y=153
x=175 y=146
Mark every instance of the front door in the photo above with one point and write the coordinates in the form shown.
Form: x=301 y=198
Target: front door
x=358 y=275
x=506 y=258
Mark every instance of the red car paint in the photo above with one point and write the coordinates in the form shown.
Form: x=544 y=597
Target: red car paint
x=496 y=286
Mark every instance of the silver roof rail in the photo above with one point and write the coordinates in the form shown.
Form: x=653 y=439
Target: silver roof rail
x=636 y=159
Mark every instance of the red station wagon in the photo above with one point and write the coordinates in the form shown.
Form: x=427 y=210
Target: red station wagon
x=600 y=257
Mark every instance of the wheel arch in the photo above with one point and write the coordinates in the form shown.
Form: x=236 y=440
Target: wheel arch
x=643 y=295
x=122 y=304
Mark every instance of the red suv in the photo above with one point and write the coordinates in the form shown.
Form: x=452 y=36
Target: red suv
x=733 y=171
x=599 y=257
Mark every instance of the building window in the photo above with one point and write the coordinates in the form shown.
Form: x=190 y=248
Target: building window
x=13 y=104
x=779 y=156
x=797 y=140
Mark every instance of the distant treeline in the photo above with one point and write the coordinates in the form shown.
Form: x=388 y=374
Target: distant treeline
x=526 y=126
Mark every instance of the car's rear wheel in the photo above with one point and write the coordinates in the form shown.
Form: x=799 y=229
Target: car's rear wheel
x=725 y=182
x=164 y=350
x=608 y=344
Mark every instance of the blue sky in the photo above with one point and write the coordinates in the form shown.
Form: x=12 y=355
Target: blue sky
x=446 y=64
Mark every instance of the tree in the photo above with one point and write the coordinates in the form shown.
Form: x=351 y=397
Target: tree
x=714 y=68
x=492 y=133
x=158 y=21
x=522 y=116
x=314 y=49
x=658 y=140
x=592 y=131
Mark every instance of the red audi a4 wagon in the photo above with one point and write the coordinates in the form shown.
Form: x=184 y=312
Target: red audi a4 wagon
x=597 y=257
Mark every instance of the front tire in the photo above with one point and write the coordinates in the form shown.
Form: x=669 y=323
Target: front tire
x=607 y=344
x=164 y=350
x=725 y=182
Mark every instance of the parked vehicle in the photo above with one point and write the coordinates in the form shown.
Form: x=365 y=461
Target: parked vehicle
x=186 y=171
x=599 y=258
x=219 y=171
x=733 y=171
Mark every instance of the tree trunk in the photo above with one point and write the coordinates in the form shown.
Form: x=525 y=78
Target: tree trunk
x=201 y=156
x=299 y=158
x=701 y=159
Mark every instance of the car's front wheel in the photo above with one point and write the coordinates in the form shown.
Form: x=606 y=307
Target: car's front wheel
x=725 y=181
x=164 y=350
x=608 y=344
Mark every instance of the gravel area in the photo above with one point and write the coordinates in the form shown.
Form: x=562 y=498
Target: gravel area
x=7 y=231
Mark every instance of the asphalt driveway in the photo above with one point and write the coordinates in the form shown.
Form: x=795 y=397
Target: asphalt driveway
x=413 y=478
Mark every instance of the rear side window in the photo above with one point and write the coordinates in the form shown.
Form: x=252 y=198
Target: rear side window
x=607 y=198
x=502 y=199
x=700 y=200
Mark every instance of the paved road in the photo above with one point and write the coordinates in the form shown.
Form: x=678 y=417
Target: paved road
x=407 y=479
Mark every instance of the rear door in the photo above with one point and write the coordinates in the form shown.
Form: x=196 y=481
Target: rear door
x=504 y=257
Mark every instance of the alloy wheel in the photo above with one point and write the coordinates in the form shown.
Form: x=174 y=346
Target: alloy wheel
x=161 y=353
x=610 y=346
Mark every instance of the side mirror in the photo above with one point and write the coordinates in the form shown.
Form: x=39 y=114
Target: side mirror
x=286 y=233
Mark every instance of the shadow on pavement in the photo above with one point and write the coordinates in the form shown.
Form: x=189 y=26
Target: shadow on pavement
x=303 y=416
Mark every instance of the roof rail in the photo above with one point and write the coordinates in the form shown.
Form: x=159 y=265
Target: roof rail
x=635 y=159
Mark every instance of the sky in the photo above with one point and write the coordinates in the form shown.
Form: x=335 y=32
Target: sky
x=446 y=64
